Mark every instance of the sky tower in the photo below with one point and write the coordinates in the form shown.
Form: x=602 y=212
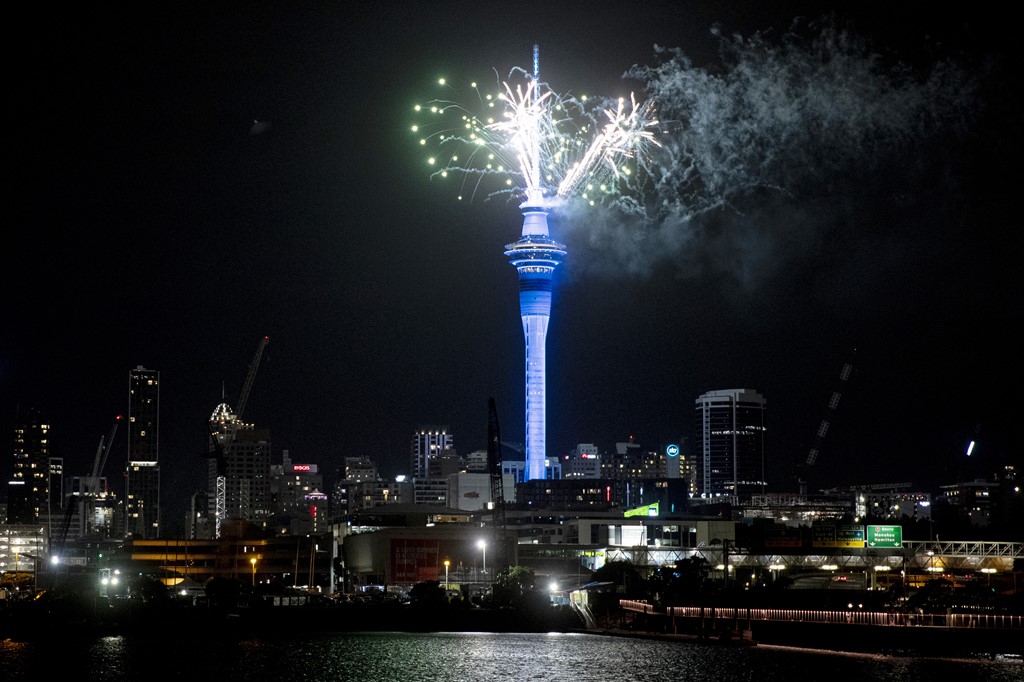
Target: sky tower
x=535 y=255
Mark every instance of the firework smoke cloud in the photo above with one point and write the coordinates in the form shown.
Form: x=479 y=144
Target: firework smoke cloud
x=775 y=121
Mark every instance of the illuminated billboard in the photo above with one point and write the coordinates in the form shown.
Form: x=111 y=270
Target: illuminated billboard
x=646 y=510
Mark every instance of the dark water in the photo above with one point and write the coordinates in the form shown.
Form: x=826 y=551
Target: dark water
x=463 y=657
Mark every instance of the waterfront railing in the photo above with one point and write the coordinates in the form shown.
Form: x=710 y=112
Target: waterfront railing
x=853 y=615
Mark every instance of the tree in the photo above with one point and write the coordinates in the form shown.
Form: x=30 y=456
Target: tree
x=428 y=594
x=150 y=590
x=625 y=576
x=680 y=584
x=512 y=585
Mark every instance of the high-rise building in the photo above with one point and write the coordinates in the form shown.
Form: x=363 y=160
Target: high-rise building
x=446 y=463
x=583 y=461
x=433 y=459
x=142 y=479
x=353 y=496
x=472 y=491
x=476 y=462
x=551 y=470
x=430 y=491
x=27 y=491
x=428 y=443
x=358 y=469
x=730 y=430
x=535 y=256
x=681 y=461
x=291 y=487
x=54 y=513
x=239 y=470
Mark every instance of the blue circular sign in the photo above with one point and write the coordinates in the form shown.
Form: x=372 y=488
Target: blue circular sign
x=672 y=450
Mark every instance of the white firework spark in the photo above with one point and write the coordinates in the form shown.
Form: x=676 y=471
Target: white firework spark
x=538 y=142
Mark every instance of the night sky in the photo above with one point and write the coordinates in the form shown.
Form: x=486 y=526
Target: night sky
x=154 y=224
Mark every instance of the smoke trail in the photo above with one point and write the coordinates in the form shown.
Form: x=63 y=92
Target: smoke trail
x=793 y=122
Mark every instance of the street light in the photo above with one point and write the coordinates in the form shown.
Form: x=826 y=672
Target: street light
x=483 y=548
x=253 y=562
x=446 y=564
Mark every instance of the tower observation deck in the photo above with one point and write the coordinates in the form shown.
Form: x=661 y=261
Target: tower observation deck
x=535 y=256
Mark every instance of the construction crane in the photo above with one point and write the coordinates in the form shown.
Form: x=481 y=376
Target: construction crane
x=221 y=440
x=249 y=377
x=494 y=468
x=803 y=469
x=88 y=491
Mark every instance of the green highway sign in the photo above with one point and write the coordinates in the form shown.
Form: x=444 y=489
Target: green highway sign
x=885 y=536
x=831 y=535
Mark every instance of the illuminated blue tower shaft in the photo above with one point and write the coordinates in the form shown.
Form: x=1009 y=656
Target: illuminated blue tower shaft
x=535 y=256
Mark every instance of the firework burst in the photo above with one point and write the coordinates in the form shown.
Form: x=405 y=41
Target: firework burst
x=527 y=140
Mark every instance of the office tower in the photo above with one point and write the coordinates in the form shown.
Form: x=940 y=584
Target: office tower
x=358 y=469
x=535 y=257
x=680 y=462
x=142 y=479
x=444 y=464
x=54 y=512
x=584 y=461
x=296 y=495
x=428 y=443
x=730 y=429
x=476 y=462
x=27 y=491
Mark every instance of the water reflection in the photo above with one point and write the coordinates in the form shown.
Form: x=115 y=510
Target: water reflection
x=462 y=657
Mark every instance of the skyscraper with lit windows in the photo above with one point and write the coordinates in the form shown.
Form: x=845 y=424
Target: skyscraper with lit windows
x=730 y=428
x=429 y=443
x=27 y=491
x=142 y=477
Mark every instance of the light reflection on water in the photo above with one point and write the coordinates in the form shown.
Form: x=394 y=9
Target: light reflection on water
x=463 y=657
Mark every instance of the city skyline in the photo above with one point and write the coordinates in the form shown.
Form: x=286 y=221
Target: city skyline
x=189 y=185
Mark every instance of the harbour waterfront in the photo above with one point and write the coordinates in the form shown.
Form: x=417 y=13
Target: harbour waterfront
x=461 y=657
x=950 y=634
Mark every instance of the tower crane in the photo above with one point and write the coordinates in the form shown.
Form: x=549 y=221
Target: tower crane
x=249 y=377
x=812 y=456
x=221 y=441
x=102 y=452
x=494 y=468
x=89 y=490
